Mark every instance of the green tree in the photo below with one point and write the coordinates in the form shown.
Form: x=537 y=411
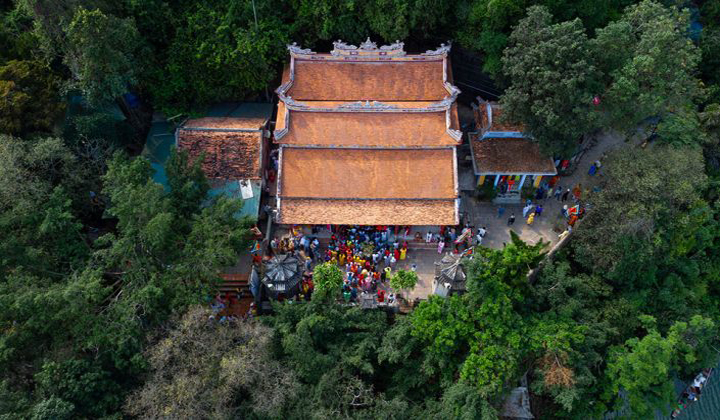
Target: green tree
x=29 y=97
x=327 y=20
x=104 y=54
x=328 y=280
x=649 y=63
x=219 y=54
x=645 y=190
x=187 y=182
x=333 y=351
x=552 y=79
x=403 y=279
x=681 y=128
x=644 y=368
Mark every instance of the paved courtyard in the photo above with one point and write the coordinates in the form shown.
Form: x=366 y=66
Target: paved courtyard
x=551 y=223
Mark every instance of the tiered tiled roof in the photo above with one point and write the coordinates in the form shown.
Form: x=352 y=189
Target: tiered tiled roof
x=367 y=136
x=368 y=173
x=369 y=129
x=232 y=146
x=368 y=80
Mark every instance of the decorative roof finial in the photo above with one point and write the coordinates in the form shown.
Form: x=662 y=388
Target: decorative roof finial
x=368 y=49
x=443 y=50
x=295 y=49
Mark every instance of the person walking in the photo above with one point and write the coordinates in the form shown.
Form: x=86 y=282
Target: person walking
x=565 y=195
x=538 y=210
x=428 y=238
x=526 y=210
x=558 y=192
x=441 y=245
x=501 y=210
x=482 y=231
x=511 y=220
x=531 y=219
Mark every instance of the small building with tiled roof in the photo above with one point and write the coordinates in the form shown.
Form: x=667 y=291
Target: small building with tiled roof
x=234 y=146
x=504 y=155
x=367 y=136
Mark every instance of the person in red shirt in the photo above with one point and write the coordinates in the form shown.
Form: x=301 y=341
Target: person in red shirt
x=397 y=255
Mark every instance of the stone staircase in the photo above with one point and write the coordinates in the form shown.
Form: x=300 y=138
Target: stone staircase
x=508 y=198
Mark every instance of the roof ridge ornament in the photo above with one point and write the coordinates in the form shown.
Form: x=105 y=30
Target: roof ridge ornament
x=363 y=105
x=295 y=49
x=368 y=49
x=442 y=50
x=368 y=45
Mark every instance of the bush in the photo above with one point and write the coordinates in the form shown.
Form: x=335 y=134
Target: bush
x=486 y=191
x=403 y=279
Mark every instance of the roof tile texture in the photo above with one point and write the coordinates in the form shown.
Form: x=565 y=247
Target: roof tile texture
x=228 y=155
x=510 y=156
x=226 y=123
x=368 y=173
x=368 y=129
x=375 y=81
x=358 y=212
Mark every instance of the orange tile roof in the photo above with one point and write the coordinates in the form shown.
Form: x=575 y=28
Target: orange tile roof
x=367 y=173
x=280 y=119
x=498 y=121
x=368 y=129
x=228 y=154
x=226 y=123
x=509 y=155
x=364 y=212
x=397 y=104
x=368 y=80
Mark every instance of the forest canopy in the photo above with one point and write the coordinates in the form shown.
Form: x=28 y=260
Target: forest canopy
x=105 y=274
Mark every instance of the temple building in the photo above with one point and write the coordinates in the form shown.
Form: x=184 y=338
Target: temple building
x=234 y=150
x=367 y=136
x=504 y=155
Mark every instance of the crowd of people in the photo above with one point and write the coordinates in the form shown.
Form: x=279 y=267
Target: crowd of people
x=552 y=191
x=368 y=255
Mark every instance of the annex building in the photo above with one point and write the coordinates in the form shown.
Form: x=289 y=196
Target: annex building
x=504 y=155
x=367 y=135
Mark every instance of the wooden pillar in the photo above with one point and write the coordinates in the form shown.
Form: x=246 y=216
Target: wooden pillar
x=538 y=178
x=481 y=180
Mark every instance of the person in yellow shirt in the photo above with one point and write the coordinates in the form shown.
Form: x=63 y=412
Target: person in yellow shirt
x=341 y=258
x=531 y=219
x=403 y=253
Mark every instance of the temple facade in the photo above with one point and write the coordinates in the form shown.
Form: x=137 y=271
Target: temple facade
x=367 y=135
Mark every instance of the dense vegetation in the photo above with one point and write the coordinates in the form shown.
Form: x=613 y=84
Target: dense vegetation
x=103 y=274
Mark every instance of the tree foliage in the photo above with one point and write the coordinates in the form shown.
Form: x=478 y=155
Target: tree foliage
x=29 y=97
x=648 y=62
x=552 y=78
x=236 y=372
x=103 y=54
x=403 y=279
x=328 y=280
